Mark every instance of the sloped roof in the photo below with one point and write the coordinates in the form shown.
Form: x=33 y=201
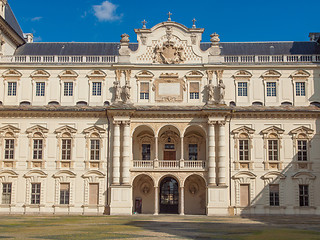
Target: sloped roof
x=12 y=21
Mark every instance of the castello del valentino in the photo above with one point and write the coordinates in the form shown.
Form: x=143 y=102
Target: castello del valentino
x=165 y=124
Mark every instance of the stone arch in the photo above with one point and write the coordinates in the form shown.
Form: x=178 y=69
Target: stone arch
x=196 y=136
x=143 y=194
x=168 y=126
x=141 y=136
x=169 y=143
x=143 y=125
x=171 y=176
x=169 y=194
x=195 y=195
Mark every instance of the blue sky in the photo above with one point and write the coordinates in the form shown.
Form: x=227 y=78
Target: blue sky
x=105 y=21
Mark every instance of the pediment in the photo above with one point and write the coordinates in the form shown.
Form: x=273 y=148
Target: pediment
x=244 y=174
x=8 y=173
x=37 y=128
x=300 y=74
x=144 y=75
x=244 y=129
x=194 y=74
x=272 y=129
x=35 y=173
x=64 y=173
x=40 y=74
x=271 y=74
x=93 y=173
x=302 y=129
x=12 y=73
x=68 y=74
x=273 y=175
x=242 y=74
x=303 y=175
x=94 y=129
x=66 y=128
x=97 y=74
x=9 y=128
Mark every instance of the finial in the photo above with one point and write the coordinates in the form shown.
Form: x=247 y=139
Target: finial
x=169 y=16
x=194 y=23
x=144 y=22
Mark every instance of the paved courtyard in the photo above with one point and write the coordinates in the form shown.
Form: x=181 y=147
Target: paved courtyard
x=158 y=227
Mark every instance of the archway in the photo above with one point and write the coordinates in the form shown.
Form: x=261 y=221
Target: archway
x=195 y=195
x=143 y=194
x=169 y=196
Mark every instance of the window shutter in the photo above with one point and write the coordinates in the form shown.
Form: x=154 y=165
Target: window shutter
x=144 y=87
x=64 y=186
x=194 y=87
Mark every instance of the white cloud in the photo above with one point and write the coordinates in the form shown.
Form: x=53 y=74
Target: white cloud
x=36 y=19
x=37 y=39
x=106 y=11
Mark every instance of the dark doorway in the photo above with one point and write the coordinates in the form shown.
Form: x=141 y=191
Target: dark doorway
x=169 y=196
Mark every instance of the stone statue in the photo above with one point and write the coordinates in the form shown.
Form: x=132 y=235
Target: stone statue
x=210 y=93
x=222 y=88
x=126 y=93
x=117 y=91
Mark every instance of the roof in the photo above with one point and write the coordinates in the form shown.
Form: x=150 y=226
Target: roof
x=12 y=21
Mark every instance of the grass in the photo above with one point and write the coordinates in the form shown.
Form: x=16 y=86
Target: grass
x=157 y=227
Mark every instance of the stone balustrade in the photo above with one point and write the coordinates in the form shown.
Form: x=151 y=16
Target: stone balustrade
x=169 y=164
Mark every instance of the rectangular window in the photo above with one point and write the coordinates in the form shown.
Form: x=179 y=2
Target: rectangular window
x=9 y=149
x=169 y=146
x=95 y=149
x=271 y=89
x=146 y=153
x=144 y=90
x=302 y=150
x=242 y=89
x=274 y=194
x=300 y=89
x=64 y=193
x=68 y=89
x=66 y=149
x=194 y=90
x=96 y=88
x=40 y=88
x=93 y=193
x=6 y=193
x=12 y=88
x=244 y=150
x=304 y=195
x=37 y=148
x=193 y=151
x=35 y=193
x=273 y=150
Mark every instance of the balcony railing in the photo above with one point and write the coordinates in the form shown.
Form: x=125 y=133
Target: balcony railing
x=59 y=59
x=169 y=164
x=272 y=59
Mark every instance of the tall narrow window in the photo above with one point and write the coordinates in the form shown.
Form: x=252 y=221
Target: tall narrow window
x=68 y=89
x=302 y=150
x=9 y=149
x=96 y=88
x=95 y=149
x=40 y=88
x=35 y=193
x=193 y=151
x=300 y=89
x=273 y=150
x=194 y=90
x=244 y=150
x=271 y=89
x=64 y=193
x=12 y=88
x=274 y=194
x=66 y=149
x=146 y=152
x=144 y=90
x=6 y=193
x=242 y=89
x=244 y=195
x=37 y=148
x=304 y=195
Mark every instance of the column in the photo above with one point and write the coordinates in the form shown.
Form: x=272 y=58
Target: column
x=156 y=147
x=222 y=155
x=182 y=153
x=116 y=153
x=126 y=153
x=181 y=200
x=156 y=201
x=211 y=153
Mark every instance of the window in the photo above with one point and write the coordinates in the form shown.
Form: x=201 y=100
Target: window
x=37 y=148
x=144 y=90
x=6 y=193
x=96 y=88
x=300 y=89
x=274 y=194
x=66 y=149
x=12 y=88
x=169 y=146
x=68 y=89
x=302 y=150
x=271 y=89
x=146 y=152
x=244 y=195
x=194 y=90
x=242 y=89
x=244 y=150
x=95 y=149
x=193 y=151
x=273 y=150
x=303 y=195
x=9 y=149
x=35 y=193
x=40 y=88
x=64 y=193
x=93 y=193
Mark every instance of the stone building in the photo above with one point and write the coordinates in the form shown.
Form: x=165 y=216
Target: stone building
x=169 y=124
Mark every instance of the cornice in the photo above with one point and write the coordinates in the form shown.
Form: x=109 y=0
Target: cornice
x=8 y=30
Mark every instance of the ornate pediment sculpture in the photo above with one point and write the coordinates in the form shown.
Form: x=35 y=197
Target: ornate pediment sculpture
x=169 y=53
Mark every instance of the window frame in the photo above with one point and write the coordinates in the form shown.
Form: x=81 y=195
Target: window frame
x=40 y=89
x=37 y=149
x=68 y=88
x=304 y=198
x=194 y=95
x=12 y=88
x=6 y=197
x=274 y=196
x=301 y=91
x=96 y=89
x=64 y=196
x=241 y=90
x=35 y=197
x=66 y=149
x=95 y=150
x=271 y=91
x=147 y=153
x=10 y=149
x=144 y=95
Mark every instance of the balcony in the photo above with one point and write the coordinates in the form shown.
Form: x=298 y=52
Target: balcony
x=168 y=165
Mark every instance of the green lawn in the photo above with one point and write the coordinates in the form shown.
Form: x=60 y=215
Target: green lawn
x=157 y=227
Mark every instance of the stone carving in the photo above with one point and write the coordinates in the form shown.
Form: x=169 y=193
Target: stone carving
x=210 y=76
x=126 y=93
x=222 y=88
x=210 y=93
x=117 y=91
x=215 y=42
x=193 y=38
x=169 y=54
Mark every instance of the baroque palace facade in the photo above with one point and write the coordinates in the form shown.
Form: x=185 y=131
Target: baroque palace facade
x=165 y=125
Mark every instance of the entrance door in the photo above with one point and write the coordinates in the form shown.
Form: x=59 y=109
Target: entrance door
x=169 y=196
x=169 y=155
